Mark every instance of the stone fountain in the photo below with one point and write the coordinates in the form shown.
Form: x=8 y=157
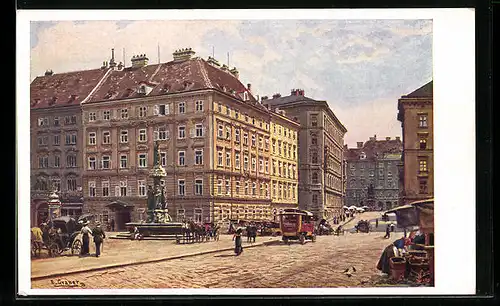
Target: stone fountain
x=158 y=224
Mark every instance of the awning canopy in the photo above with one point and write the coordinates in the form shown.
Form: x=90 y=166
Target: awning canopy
x=119 y=205
x=420 y=213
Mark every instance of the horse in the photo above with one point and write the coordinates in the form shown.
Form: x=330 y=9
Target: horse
x=196 y=230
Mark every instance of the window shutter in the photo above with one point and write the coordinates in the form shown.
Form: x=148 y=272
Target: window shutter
x=167 y=109
x=156 y=135
x=117 y=190
x=156 y=110
x=204 y=131
x=167 y=134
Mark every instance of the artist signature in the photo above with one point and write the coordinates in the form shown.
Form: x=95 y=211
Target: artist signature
x=67 y=283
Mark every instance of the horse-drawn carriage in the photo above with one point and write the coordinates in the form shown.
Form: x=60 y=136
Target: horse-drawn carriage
x=196 y=232
x=363 y=226
x=56 y=237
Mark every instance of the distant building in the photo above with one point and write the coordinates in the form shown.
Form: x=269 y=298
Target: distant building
x=416 y=116
x=320 y=152
x=372 y=173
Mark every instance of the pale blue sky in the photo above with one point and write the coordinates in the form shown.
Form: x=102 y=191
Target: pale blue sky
x=361 y=67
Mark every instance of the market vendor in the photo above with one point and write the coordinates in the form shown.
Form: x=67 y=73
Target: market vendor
x=395 y=249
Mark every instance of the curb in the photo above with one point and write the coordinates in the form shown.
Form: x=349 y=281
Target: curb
x=127 y=264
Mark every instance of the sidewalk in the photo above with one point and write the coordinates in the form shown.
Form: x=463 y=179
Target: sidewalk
x=119 y=253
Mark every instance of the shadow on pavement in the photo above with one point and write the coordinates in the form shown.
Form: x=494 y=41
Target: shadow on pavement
x=225 y=255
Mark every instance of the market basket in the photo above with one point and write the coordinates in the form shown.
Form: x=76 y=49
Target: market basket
x=398 y=267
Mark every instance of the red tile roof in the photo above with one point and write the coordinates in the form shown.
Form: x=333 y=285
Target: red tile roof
x=64 y=88
x=374 y=148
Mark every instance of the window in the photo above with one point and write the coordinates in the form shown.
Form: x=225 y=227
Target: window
x=42 y=141
x=228 y=159
x=141 y=187
x=162 y=133
x=182 y=107
x=180 y=215
x=43 y=121
x=219 y=186
x=57 y=140
x=199 y=106
x=237 y=187
x=261 y=189
x=422 y=165
x=423 y=186
x=236 y=114
x=106 y=162
x=199 y=130
x=162 y=109
x=315 y=178
x=106 y=137
x=254 y=164
x=246 y=187
x=314 y=199
x=57 y=161
x=253 y=141
x=56 y=121
x=105 y=188
x=143 y=111
x=71 y=139
x=237 y=160
x=423 y=143
x=228 y=111
x=92 y=116
x=220 y=158
x=245 y=139
x=261 y=165
x=92 y=138
x=106 y=115
x=314 y=139
x=91 y=189
x=237 y=135
x=261 y=142
x=123 y=188
x=182 y=156
x=267 y=166
x=422 y=121
x=182 y=132
x=228 y=188
x=245 y=162
x=198 y=186
x=253 y=120
x=254 y=188
x=314 y=120
x=228 y=132
x=71 y=161
x=246 y=117
x=123 y=161
x=279 y=147
x=266 y=145
x=124 y=136
x=92 y=163
x=198 y=157
x=198 y=213
x=219 y=108
x=124 y=113
x=71 y=184
x=43 y=162
x=220 y=131
x=163 y=159
x=142 y=135
x=314 y=157
x=142 y=158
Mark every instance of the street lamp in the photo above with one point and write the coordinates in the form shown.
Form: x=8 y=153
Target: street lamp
x=54 y=205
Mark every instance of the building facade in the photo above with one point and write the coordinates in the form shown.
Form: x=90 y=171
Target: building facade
x=214 y=141
x=56 y=144
x=320 y=151
x=416 y=116
x=373 y=173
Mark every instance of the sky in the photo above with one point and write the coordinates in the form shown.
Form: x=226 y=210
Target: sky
x=360 y=67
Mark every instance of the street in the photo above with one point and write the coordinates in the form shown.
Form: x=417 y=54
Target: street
x=277 y=265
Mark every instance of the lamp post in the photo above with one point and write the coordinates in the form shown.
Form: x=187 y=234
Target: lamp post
x=54 y=205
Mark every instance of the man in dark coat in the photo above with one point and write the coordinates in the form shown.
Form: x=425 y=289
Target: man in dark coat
x=387 y=231
x=99 y=236
x=112 y=225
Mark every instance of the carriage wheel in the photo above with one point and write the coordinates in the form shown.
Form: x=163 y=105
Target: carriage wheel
x=302 y=239
x=76 y=247
x=53 y=249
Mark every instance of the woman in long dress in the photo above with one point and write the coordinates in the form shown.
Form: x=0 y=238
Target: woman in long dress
x=238 y=248
x=86 y=232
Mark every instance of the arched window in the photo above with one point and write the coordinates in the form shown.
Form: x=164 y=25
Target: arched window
x=315 y=178
x=314 y=139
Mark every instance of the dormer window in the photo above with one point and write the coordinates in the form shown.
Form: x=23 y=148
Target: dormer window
x=109 y=94
x=166 y=88
x=362 y=155
x=245 y=96
x=53 y=100
x=144 y=89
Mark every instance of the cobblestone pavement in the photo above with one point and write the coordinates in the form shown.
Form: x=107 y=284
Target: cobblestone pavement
x=318 y=264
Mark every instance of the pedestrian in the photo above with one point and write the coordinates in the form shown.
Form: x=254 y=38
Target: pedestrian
x=99 y=236
x=387 y=232
x=238 y=248
x=112 y=225
x=85 y=238
x=392 y=227
x=376 y=222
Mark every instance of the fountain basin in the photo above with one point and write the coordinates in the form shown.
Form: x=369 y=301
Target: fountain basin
x=153 y=229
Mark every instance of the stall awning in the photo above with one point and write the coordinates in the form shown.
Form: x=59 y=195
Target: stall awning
x=420 y=213
x=119 y=205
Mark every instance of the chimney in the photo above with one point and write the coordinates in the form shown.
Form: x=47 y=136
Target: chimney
x=249 y=87
x=398 y=138
x=183 y=54
x=264 y=98
x=388 y=138
x=301 y=92
x=277 y=95
x=235 y=72
x=120 y=66
x=49 y=72
x=139 y=61
x=293 y=92
x=359 y=144
x=112 y=63
x=212 y=61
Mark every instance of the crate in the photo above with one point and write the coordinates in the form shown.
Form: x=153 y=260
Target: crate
x=398 y=267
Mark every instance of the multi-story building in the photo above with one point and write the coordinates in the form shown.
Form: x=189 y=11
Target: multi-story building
x=320 y=150
x=284 y=162
x=56 y=139
x=416 y=116
x=214 y=141
x=373 y=174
